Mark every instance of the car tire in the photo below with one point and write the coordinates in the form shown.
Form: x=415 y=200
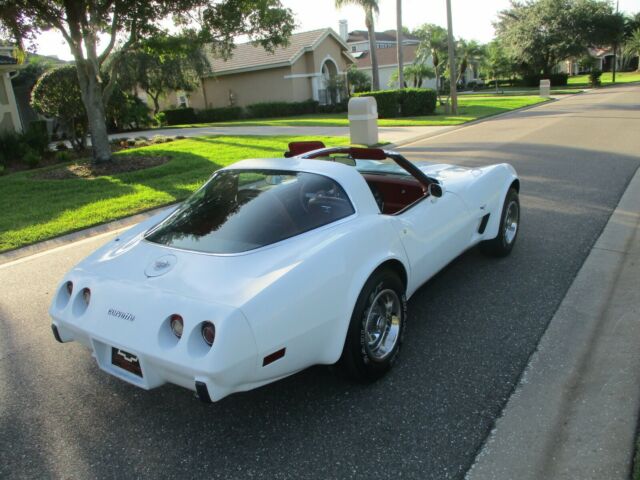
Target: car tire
x=376 y=329
x=503 y=243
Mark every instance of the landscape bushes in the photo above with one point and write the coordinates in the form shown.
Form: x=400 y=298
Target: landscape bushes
x=557 y=79
x=180 y=116
x=224 y=114
x=408 y=102
x=24 y=148
x=281 y=109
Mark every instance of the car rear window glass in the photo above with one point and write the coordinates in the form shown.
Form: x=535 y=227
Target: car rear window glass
x=241 y=210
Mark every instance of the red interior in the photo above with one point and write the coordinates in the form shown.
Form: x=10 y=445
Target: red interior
x=397 y=193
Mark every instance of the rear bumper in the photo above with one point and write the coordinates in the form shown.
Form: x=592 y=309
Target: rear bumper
x=160 y=367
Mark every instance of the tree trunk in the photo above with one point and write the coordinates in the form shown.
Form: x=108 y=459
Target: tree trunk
x=375 y=77
x=399 y=39
x=91 y=90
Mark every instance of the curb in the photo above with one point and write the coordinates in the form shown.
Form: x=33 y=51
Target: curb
x=574 y=411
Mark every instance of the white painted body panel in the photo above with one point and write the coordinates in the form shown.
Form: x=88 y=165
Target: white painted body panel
x=297 y=294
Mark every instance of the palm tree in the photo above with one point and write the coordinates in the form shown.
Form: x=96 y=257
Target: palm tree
x=467 y=52
x=434 y=44
x=632 y=47
x=370 y=9
x=399 y=45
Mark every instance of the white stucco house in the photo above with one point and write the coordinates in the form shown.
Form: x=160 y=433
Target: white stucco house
x=9 y=117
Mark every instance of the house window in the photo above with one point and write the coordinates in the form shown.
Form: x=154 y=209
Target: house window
x=183 y=101
x=354 y=48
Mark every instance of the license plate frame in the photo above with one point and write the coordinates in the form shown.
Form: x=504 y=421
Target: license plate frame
x=126 y=361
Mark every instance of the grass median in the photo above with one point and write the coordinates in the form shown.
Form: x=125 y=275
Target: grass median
x=471 y=107
x=35 y=209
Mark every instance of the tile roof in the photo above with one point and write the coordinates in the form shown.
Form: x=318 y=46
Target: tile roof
x=247 y=57
x=386 y=36
x=388 y=56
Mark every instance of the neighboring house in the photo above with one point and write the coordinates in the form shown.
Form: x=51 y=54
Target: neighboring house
x=358 y=40
x=603 y=58
x=388 y=64
x=297 y=72
x=9 y=118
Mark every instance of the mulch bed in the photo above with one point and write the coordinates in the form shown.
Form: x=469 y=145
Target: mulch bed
x=130 y=163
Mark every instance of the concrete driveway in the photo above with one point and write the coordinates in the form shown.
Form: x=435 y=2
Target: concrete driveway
x=472 y=329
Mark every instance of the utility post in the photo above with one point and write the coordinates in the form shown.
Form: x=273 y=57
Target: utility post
x=399 y=41
x=615 y=51
x=452 y=62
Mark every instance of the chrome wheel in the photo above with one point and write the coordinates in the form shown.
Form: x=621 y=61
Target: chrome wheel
x=382 y=324
x=511 y=220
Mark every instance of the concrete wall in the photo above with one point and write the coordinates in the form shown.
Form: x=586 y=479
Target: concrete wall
x=9 y=118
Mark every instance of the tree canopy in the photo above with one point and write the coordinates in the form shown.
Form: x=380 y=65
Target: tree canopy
x=539 y=34
x=127 y=23
x=162 y=64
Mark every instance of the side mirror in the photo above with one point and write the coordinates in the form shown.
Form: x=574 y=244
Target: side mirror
x=435 y=190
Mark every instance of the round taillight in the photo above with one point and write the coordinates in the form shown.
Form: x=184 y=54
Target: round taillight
x=86 y=295
x=208 y=333
x=69 y=286
x=177 y=325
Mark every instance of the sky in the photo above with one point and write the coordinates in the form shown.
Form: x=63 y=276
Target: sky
x=472 y=19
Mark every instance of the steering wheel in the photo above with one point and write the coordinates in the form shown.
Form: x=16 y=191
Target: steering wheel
x=313 y=190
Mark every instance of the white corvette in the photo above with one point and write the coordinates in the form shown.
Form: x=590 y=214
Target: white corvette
x=275 y=265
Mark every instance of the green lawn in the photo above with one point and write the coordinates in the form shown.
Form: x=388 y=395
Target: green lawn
x=621 y=77
x=34 y=210
x=471 y=107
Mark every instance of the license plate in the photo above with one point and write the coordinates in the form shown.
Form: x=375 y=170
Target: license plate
x=125 y=360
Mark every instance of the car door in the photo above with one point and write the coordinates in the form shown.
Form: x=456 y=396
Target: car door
x=434 y=231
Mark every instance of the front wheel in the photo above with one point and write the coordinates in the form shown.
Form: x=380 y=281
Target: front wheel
x=508 y=229
x=376 y=329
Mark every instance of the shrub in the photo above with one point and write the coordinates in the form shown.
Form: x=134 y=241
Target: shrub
x=161 y=119
x=37 y=137
x=11 y=147
x=61 y=146
x=417 y=101
x=141 y=143
x=57 y=95
x=334 y=107
x=31 y=158
x=223 y=114
x=594 y=77
x=1 y=170
x=63 y=157
x=126 y=111
x=388 y=102
x=405 y=102
x=556 y=79
x=178 y=116
x=281 y=109
x=131 y=142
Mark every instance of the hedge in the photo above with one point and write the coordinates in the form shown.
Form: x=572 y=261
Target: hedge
x=281 y=109
x=557 y=79
x=406 y=102
x=417 y=101
x=223 y=114
x=178 y=116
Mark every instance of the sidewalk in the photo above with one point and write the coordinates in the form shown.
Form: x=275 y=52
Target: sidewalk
x=386 y=134
x=575 y=411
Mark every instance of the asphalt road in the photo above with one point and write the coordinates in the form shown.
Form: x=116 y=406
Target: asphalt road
x=471 y=331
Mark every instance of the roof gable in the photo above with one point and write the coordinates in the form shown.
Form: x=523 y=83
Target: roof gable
x=249 y=57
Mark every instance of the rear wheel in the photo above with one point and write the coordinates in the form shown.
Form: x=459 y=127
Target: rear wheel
x=508 y=230
x=376 y=329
